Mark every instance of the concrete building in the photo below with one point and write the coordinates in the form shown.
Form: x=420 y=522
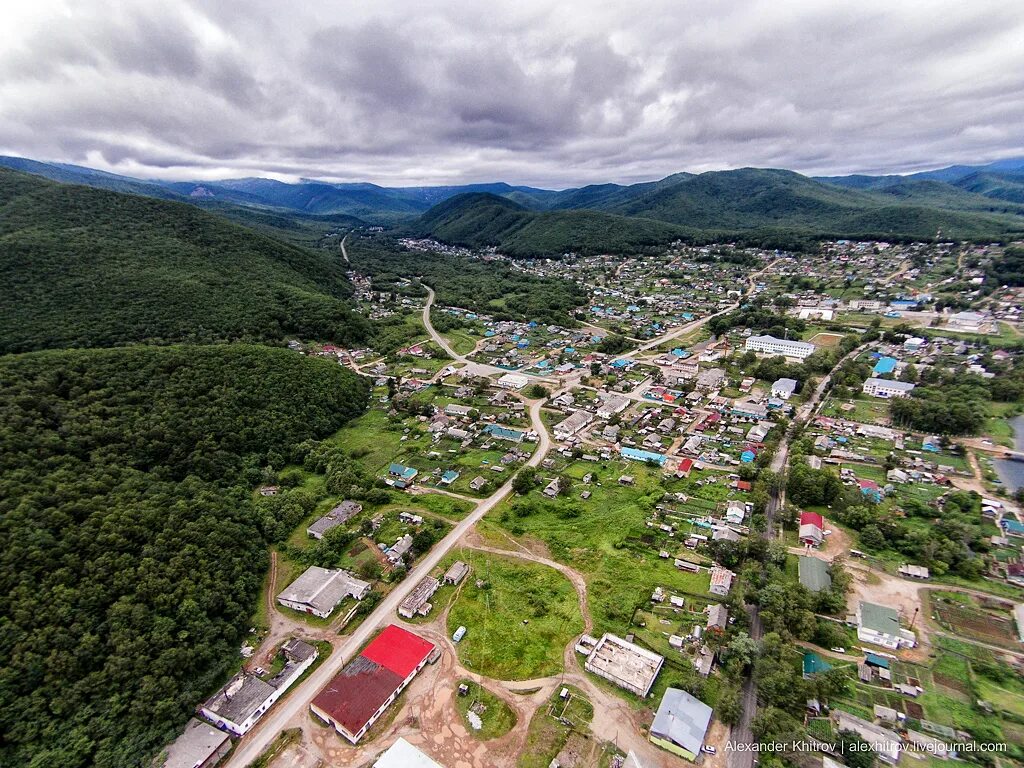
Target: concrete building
x=200 y=746
x=513 y=381
x=681 y=724
x=402 y=754
x=784 y=388
x=340 y=515
x=417 y=602
x=711 y=379
x=880 y=625
x=627 y=665
x=769 y=345
x=887 y=388
x=241 y=703
x=358 y=695
x=611 y=405
x=969 y=322
x=458 y=571
x=319 y=590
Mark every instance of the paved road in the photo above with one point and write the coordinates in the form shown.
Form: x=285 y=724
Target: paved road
x=742 y=732
x=256 y=741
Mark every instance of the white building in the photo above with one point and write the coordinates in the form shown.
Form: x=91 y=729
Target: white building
x=769 y=345
x=239 y=705
x=784 y=388
x=969 y=322
x=627 y=665
x=513 y=381
x=887 y=388
x=880 y=625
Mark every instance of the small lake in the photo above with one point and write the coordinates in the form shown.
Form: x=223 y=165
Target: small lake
x=1012 y=472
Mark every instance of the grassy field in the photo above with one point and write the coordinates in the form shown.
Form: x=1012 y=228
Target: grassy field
x=519 y=622
x=547 y=733
x=605 y=538
x=461 y=341
x=496 y=716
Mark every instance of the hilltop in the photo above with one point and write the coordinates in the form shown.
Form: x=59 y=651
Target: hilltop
x=87 y=267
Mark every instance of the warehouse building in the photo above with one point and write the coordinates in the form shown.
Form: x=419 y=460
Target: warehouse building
x=319 y=590
x=358 y=695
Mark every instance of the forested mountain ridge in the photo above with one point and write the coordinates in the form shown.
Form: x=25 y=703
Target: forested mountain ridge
x=131 y=550
x=482 y=219
x=86 y=267
x=761 y=204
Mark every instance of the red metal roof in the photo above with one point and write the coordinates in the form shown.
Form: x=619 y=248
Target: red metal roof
x=812 y=518
x=356 y=693
x=686 y=465
x=398 y=650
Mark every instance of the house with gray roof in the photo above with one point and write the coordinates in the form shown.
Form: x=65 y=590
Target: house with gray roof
x=681 y=724
x=340 y=515
x=200 y=746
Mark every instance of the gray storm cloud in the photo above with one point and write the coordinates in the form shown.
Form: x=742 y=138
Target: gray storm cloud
x=527 y=92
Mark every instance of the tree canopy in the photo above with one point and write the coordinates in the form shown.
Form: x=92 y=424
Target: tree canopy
x=132 y=551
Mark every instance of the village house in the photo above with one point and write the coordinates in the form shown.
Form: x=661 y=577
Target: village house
x=880 y=625
x=340 y=515
x=721 y=581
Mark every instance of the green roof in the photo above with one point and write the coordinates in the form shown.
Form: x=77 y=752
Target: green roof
x=880 y=618
x=813 y=664
x=814 y=574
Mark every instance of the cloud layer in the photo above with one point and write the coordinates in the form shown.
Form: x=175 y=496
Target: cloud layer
x=551 y=94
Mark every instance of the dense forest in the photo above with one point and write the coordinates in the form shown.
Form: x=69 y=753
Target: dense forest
x=132 y=551
x=87 y=268
x=491 y=287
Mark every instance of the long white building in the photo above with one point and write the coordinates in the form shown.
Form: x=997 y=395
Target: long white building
x=887 y=388
x=769 y=345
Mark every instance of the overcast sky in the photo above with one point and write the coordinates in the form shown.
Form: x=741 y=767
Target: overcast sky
x=548 y=93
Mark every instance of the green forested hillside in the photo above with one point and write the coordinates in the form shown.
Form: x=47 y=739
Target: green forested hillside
x=760 y=207
x=481 y=219
x=85 y=267
x=130 y=550
x=752 y=198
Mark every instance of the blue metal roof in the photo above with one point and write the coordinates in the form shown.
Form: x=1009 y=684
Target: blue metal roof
x=885 y=365
x=637 y=455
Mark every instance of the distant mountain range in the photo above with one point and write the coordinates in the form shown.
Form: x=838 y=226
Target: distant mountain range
x=758 y=205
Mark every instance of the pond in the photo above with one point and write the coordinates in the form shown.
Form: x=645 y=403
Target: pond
x=1012 y=472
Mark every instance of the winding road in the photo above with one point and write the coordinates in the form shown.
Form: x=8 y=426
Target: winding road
x=252 y=745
